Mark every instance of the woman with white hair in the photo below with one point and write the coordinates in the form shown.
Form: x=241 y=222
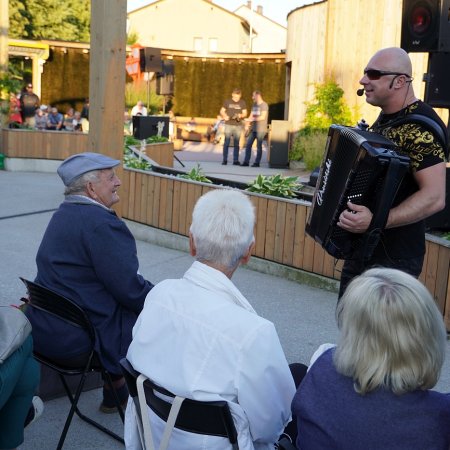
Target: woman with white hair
x=372 y=391
x=200 y=338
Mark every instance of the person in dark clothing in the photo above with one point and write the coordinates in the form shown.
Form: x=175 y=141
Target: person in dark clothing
x=233 y=111
x=387 y=83
x=89 y=255
x=29 y=103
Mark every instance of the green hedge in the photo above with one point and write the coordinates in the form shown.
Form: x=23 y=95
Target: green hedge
x=202 y=86
x=65 y=79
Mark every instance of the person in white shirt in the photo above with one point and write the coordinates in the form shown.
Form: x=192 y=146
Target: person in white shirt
x=200 y=338
x=139 y=109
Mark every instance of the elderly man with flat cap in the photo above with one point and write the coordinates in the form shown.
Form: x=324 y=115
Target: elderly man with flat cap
x=89 y=255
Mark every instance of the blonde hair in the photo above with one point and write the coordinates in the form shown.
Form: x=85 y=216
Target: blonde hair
x=392 y=334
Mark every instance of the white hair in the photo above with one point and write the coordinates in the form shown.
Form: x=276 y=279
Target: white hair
x=392 y=334
x=222 y=226
x=78 y=185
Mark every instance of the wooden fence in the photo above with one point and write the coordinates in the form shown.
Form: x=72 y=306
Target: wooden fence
x=167 y=202
x=57 y=145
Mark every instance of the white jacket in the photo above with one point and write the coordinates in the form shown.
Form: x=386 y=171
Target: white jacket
x=199 y=338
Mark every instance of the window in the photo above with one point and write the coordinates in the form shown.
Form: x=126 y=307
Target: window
x=198 y=44
x=212 y=45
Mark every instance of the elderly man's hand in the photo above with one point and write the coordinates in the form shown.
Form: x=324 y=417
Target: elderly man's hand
x=355 y=219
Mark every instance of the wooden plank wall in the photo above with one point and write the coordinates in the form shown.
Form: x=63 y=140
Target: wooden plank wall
x=305 y=51
x=167 y=203
x=57 y=145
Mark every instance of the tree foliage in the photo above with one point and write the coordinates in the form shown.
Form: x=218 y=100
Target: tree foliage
x=50 y=19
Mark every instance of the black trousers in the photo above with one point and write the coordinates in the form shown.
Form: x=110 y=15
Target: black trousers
x=353 y=268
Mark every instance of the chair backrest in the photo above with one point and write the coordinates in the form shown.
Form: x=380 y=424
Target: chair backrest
x=208 y=418
x=45 y=299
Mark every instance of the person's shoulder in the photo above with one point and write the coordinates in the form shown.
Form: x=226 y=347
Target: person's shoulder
x=425 y=109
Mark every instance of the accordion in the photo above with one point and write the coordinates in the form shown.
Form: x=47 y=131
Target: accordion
x=358 y=166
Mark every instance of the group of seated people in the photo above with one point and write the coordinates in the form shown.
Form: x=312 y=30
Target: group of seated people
x=200 y=338
x=49 y=118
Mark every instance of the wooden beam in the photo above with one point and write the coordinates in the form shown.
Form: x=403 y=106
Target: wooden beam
x=107 y=78
x=4 y=26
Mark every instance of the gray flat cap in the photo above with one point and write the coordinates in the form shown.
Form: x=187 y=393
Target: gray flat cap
x=77 y=165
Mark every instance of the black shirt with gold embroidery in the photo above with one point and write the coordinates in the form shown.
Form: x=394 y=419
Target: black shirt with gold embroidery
x=424 y=150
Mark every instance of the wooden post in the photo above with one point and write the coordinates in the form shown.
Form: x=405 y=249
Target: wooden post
x=4 y=26
x=107 y=79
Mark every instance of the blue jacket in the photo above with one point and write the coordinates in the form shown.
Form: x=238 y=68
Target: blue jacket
x=89 y=255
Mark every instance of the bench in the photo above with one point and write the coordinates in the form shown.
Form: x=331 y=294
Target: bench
x=192 y=128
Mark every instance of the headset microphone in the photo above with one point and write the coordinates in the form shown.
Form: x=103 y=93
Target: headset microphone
x=360 y=92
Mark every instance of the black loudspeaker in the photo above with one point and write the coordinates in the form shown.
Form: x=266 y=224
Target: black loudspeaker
x=425 y=26
x=168 y=67
x=279 y=144
x=164 y=84
x=441 y=220
x=150 y=59
x=437 y=86
x=146 y=126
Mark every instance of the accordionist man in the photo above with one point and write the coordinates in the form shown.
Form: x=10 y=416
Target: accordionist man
x=387 y=83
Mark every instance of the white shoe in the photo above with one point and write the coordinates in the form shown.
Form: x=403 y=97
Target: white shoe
x=36 y=410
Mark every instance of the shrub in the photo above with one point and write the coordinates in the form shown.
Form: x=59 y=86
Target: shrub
x=275 y=185
x=196 y=174
x=309 y=146
x=133 y=162
x=327 y=108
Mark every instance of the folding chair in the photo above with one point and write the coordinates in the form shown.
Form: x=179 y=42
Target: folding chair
x=52 y=303
x=208 y=418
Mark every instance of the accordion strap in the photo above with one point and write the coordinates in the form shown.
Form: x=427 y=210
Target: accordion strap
x=380 y=215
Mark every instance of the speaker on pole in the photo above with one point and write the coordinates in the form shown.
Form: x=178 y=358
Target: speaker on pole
x=164 y=84
x=150 y=59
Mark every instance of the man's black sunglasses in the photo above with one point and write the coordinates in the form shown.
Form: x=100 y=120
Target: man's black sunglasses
x=374 y=74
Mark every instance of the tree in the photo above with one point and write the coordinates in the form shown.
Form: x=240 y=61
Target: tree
x=50 y=19
x=18 y=19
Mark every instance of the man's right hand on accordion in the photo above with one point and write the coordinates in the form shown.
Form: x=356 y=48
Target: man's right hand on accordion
x=355 y=219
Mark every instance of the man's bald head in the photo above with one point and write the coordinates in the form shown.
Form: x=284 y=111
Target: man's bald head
x=392 y=59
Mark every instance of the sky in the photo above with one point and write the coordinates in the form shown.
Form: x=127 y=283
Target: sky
x=276 y=10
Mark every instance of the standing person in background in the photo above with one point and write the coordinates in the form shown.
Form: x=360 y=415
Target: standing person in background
x=15 y=118
x=29 y=103
x=258 y=128
x=85 y=116
x=233 y=111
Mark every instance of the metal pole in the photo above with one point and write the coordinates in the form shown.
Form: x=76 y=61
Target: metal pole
x=148 y=91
